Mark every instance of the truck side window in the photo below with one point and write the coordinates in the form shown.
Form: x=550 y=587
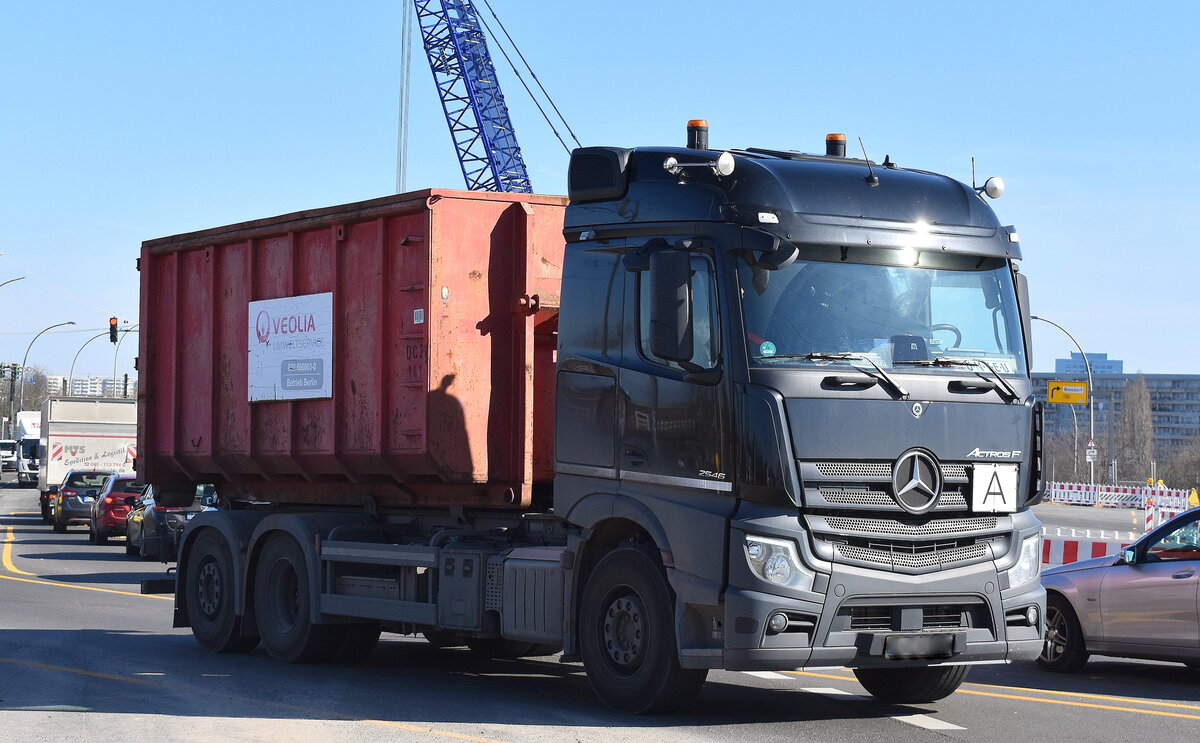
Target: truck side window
x=706 y=346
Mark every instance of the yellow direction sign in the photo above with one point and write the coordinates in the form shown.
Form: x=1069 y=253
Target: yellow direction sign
x=1069 y=393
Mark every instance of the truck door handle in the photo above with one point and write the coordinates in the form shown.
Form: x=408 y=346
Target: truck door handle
x=1185 y=573
x=863 y=382
x=635 y=457
x=959 y=385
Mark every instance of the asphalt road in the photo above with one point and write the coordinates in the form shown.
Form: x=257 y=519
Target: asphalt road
x=84 y=656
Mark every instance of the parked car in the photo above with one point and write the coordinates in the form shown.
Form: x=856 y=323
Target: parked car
x=109 y=508
x=152 y=531
x=1139 y=604
x=73 y=501
x=8 y=454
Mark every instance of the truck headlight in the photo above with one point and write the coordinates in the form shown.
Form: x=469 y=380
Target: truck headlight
x=777 y=562
x=1028 y=563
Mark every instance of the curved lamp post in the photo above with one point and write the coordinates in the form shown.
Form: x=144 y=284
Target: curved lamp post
x=1091 y=395
x=12 y=413
x=118 y=350
x=11 y=280
x=71 y=374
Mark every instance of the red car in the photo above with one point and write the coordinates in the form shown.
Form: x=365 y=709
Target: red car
x=109 y=508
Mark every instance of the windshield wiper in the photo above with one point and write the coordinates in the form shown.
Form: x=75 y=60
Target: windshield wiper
x=953 y=361
x=848 y=357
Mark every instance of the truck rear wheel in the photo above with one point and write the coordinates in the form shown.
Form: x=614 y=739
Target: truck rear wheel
x=911 y=685
x=282 y=606
x=208 y=590
x=627 y=636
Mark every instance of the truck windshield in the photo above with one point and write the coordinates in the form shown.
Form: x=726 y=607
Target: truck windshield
x=899 y=316
x=29 y=449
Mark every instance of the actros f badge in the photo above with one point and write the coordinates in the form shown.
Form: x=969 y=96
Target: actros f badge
x=916 y=481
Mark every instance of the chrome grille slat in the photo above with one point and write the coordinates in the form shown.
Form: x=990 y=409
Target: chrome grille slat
x=878 y=470
x=843 y=524
x=862 y=496
x=914 y=560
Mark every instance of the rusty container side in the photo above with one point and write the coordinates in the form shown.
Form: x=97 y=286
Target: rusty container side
x=444 y=307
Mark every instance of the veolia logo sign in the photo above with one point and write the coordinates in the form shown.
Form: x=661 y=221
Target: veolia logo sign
x=265 y=325
x=290 y=348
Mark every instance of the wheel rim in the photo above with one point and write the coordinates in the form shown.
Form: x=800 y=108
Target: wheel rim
x=209 y=589
x=623 y=631
x=1057 y=635
x=284 y=594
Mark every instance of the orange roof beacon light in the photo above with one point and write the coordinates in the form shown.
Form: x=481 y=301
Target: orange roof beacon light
x=697 y=134
x=835 y=145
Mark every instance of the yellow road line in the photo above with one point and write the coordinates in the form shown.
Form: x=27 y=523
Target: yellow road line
x=311 y=711
x=7 y=555
x=1088 y=705
x=1081 y=695
x=61 y=584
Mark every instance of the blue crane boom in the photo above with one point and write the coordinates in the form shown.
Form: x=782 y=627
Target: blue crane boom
x=471 y=97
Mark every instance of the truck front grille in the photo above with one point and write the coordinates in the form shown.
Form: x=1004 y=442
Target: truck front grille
x=892 y=618
x=891 y=527
x=913 y=557
x=878 y=470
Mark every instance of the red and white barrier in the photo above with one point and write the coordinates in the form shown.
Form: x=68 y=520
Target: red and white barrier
x=1057 y=550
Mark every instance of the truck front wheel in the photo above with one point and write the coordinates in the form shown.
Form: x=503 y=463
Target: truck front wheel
x=282 y=606
x=627 y=636
x=911 y=685
x=208 y=589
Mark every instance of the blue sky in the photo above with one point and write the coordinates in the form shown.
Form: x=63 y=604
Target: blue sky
x=130 y=120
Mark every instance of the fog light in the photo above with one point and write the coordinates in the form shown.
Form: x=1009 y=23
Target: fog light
x=1031 y=616
x=778 y=622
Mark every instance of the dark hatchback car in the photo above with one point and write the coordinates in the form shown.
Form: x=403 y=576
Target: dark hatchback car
x=109 y=508
x=152 y=531
x=73 y=501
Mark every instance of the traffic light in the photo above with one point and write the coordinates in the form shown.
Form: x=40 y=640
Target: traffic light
x=112 y=329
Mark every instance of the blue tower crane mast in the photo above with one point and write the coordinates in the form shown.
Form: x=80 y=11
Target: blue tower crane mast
x=471 y=97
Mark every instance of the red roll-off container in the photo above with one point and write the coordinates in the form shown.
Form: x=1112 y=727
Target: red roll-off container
x=444 y=309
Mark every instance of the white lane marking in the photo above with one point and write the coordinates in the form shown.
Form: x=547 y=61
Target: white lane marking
x=767 y=675
x=921 y=721
x=927 y=722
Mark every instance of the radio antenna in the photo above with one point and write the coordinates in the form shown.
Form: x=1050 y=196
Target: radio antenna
x=872 y=179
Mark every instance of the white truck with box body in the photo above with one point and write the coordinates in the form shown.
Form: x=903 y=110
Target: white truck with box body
x=28 y=457
x=89 y=433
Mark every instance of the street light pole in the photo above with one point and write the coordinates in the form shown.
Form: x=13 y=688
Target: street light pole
x=11 y=379
x=118 y=350
x=11 y=412
x=1091 y=395
x=11 y=280
x=71 y=374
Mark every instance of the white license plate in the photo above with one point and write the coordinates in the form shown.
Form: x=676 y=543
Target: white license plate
x=994 y=488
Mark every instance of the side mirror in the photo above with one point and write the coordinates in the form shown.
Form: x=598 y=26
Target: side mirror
x=671 y=305
x=1026 y=316
x=130 y=500
x=1129 y=557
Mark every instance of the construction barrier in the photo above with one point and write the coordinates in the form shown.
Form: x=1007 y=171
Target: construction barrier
x=1113 y=496
x=1062 y=546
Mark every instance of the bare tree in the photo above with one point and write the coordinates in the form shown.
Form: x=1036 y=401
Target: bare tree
x=1135 y=432
x=1182 y=468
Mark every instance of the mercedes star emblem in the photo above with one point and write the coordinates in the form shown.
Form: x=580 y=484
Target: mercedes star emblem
x=916 y=481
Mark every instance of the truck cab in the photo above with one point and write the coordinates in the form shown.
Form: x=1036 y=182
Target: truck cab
x=8 y=454
x=821 y=364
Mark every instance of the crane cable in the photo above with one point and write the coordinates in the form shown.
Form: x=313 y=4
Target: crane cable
x=532 y=74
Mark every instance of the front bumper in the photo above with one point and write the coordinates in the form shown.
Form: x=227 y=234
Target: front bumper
x=963 y=612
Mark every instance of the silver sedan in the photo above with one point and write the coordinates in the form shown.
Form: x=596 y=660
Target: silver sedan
x=1143 y=603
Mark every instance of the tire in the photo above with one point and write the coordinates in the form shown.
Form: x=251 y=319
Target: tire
x=60 y=523
x=45 y=507
x=208 y=590
x=358 y=641
x=911 y=685
x=1063 y=650
x=282 y=606
x=627 y=636
x=131 y=549
x=97 y=535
